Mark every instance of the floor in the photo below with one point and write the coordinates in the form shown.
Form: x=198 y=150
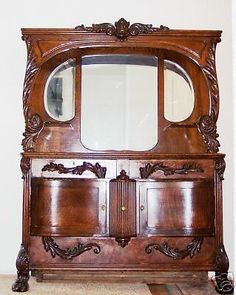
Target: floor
x=183 y=289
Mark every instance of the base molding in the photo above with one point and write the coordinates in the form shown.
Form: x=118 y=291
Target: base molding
x=154 y=277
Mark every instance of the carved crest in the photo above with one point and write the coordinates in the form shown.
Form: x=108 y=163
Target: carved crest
x=122 y=29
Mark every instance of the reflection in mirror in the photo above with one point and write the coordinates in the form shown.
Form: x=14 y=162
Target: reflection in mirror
x=119 y=102
x=178 y=93
x=59 y=92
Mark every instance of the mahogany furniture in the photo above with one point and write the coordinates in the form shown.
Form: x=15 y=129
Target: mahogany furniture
x=98 y=205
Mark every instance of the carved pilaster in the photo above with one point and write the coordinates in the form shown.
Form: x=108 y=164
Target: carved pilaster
x=97 y=169
x=122 y=29
x=33 y=122
x=25 y=166
x=122 y=208
x=22 y=265
x=69 y=253
x=176 y=253
x=220 y=168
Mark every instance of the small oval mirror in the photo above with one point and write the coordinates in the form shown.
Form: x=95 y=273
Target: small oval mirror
x=178 y=93
x=59 y=92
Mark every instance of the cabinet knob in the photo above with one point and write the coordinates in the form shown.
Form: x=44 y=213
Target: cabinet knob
x=123 y=208
x=103 y=207
x=141 y=207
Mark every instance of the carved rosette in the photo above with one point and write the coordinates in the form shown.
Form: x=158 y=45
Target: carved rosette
x=207 y=123
x=22 y=265
x=25 y=166
x=122 y=29
x=69 y=253
x=97 y=169
x=149 y=169
x=220 y=168
x=176 y=253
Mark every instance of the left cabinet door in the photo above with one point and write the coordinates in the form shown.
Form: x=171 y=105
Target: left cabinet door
x=68 y=207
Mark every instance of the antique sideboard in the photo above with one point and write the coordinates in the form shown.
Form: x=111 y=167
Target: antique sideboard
x=121 y=169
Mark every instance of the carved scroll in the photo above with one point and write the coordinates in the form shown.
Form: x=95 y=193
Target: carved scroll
x=146 y=171
x=122 y=29
x=175 y=253
x=69 y=253
x=97 y=169
x=22 y=265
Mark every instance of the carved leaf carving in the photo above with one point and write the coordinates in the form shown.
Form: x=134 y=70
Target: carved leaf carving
x=34 y=126
x=176 y=253
x=220 y=168
x=207 y=127
x=69 y=253
x=146 y=171
x=97 y=169
x=207 y=123
x=122 y=29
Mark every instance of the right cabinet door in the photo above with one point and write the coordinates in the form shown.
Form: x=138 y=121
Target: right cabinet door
x=176 y=207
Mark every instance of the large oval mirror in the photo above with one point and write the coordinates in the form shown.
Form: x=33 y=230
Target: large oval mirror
x=119 y=102
x=59 y=92
x=178 y=93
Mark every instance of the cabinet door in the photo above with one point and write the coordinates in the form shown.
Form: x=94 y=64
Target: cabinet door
x=68 y=207
x=177 y=208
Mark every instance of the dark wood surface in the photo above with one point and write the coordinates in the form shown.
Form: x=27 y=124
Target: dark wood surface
x=122 y=214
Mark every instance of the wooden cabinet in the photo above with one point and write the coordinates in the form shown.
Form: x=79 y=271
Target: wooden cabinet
x=120 y=162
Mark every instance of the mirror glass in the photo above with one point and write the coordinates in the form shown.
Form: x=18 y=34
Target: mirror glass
x=178 y=93
x=119 y=102
x=59 y=95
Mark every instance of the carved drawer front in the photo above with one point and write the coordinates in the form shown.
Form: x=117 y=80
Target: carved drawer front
x=73 y=168
x=122 y=209
x=68 y=207
x=172 y=169
x=177 y=208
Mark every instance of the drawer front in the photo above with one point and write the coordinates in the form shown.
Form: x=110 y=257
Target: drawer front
x=173 y=208
x=68 y=207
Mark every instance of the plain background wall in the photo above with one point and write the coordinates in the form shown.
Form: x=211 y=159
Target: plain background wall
x=182 y=14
